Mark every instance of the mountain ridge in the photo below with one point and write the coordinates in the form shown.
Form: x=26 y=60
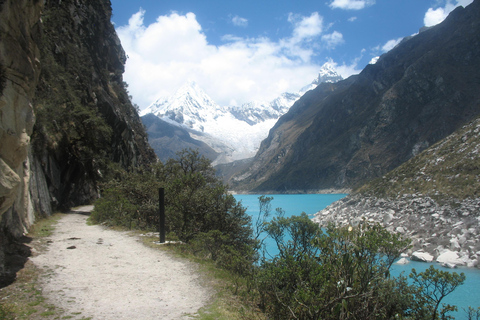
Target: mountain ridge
x=416 y=94
x=234 y=132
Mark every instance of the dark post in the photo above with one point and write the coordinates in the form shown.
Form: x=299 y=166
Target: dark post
x=161 y=197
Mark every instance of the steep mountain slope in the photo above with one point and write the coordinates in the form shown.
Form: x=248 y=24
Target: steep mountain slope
x=84 y=116
x=434 y=198
x=341 y=135
x=19 y=72
x=65 y=114
x=167 y=139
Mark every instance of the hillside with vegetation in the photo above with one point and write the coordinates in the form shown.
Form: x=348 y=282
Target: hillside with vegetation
x=434 y=198
x=320 y=273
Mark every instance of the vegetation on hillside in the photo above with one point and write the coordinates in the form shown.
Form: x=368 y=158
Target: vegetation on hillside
x=448 y=169
x=338 y=273
x=67 y=118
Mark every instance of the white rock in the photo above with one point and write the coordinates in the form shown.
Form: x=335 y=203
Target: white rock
x=449 y=258
x=387 y=218
x=422 y=256
x=402 y=261
x=454 y=243
x=449 y=265
x=463 y=238
x=400 y=230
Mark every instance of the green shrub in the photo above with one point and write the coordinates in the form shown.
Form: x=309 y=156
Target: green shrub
x=114 y=209
x=344 y=273
x=196 y=201
x=6 y=312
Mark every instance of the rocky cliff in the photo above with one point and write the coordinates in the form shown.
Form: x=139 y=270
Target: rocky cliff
x=19 y=72
x=65 y=114
x=342 y=135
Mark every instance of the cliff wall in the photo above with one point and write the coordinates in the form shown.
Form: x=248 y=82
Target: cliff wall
x=19 y=74
x=65 y=115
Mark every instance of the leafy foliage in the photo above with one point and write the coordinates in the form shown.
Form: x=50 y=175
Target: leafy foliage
x=344 y=273
x=436 y=285
x=197 y=204
x=336 y=273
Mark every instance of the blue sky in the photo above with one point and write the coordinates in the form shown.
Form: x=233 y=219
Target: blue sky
x=239 y=51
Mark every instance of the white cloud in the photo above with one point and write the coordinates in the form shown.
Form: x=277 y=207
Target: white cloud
x=351 y=4
x=333 y=39
x=306 y=27
x=437 y=15
x=239 y=21
x=164 y=54
x=390 y=44
x=351 y=19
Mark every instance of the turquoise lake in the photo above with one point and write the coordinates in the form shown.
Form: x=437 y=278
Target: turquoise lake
x=466 y=295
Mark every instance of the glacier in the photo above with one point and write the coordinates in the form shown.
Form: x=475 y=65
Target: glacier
x=235 y=132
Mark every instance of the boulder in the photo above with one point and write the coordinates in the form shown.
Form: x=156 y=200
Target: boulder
x=421 y=256
x=402 y=261
x=449 y=259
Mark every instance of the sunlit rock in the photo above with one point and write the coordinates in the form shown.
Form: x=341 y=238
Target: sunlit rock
x=421 y=256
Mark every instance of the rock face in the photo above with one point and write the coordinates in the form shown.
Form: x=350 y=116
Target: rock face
x=19 y=72
x=342 y=135
x=84 y=116
x=65 y=115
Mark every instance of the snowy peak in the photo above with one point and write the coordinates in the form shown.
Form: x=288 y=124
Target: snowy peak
x=190 y=106
x=327 y=74
x=234 y=132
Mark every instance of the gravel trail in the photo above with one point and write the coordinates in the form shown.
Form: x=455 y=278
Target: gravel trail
x=91 y=271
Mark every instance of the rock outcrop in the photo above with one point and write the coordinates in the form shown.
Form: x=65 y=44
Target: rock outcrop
x=432 y=227
x=65 y=114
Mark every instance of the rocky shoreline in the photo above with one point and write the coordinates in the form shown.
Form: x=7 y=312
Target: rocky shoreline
x=447 y=233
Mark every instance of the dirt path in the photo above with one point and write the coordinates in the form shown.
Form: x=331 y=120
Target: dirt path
x=104 y=274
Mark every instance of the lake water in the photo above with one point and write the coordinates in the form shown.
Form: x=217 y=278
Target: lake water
x=466 y=295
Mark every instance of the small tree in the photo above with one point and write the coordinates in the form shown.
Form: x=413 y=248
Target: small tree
x=434 y=285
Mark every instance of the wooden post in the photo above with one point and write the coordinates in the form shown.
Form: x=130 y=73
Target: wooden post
x=161 y=198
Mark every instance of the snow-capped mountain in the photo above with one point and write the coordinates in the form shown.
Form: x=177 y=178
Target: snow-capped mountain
x=256 y=112
x=189 y=106
x=327 y=74
x=234 y=132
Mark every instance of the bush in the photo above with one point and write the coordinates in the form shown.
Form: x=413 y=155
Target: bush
x=197 y=204
x=114 y=210
x=344 y=273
